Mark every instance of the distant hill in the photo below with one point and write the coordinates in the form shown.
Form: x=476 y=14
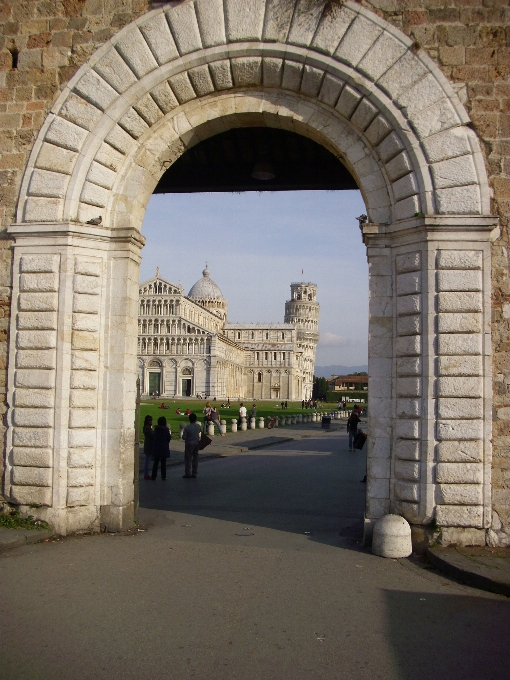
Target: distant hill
x=328 y=371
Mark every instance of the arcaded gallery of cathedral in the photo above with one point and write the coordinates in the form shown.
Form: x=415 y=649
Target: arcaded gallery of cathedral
x=187 y=347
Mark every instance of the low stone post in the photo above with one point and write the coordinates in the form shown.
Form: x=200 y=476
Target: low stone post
x=299 y=418
x=210 y=429
x=234 y=425
x=252 y=423
x=288 y=420
x=314 y=417
x=181 y=428
x=244 y=424
x=276 y=419
x=392 y=537
x=223 y=424
x=261 y=422
x=293 y=420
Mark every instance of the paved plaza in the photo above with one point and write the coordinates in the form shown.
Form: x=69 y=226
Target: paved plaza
x=253 y=571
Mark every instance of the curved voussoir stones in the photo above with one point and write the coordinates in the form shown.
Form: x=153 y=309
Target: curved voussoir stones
x=396 y=100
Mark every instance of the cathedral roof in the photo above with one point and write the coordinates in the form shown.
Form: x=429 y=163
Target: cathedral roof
x=205 y=288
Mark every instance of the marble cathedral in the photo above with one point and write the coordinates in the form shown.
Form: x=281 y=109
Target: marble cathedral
x=187 y=347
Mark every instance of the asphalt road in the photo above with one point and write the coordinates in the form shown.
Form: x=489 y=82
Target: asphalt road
x=225 y=582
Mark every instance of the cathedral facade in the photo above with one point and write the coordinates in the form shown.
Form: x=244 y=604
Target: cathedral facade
x=187 y=347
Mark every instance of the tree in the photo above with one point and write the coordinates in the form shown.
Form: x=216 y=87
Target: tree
x=320 y=388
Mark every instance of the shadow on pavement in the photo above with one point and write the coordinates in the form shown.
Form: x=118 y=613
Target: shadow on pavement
x=453 y=637
x=290 y=488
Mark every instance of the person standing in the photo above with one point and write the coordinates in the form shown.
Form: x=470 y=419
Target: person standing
x=148 y=436
x=207 y=415
x=253 y=413
x=191 y=435
x=352 y=427
x=161 y=447
x=242 y=411
x=215 y=419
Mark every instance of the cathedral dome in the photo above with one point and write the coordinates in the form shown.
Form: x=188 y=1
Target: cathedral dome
x=205 y=288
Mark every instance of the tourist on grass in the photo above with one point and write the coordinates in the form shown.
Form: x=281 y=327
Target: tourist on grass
x=215 y=419
x=242 y=411
x=207 y=415
x=148 y=436
x=191 y=435
x=161 y=447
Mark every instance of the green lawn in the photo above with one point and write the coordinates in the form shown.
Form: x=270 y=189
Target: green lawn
x=264 y=408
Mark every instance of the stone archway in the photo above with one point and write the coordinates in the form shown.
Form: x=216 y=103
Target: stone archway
x=351 y=82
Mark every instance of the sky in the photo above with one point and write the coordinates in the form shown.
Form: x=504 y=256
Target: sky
x=256 y=244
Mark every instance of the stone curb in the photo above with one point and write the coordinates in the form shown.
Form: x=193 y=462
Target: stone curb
x=454 y=564
x=14 y=538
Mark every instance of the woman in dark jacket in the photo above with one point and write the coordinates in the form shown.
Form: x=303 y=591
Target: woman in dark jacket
x=160 y=447
x=148 y=436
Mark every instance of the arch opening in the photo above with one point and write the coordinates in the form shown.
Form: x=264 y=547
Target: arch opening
x=174 y=78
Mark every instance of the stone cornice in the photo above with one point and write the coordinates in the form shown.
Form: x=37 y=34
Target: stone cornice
x=65 y=233
x=433 y=227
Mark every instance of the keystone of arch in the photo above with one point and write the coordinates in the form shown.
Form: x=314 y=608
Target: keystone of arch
x=349 y=64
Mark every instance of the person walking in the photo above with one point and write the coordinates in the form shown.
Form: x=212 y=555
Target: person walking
x=352 y=427
x=215 y=419
x=148 y=436
x=191 y=435
x=161 y=447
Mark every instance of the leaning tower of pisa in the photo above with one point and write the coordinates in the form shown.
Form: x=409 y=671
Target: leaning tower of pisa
x=302 y=310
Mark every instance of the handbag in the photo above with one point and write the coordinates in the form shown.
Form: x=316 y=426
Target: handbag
x=359 y=440
x=204 y=441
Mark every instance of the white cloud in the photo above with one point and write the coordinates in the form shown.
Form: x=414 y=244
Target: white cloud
x=333 y=340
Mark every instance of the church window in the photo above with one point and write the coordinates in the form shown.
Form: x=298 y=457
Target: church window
x=267 y=336
x=258 y=356
x=259 y=377
x=274 y=356
x=238 y=336
x=283 y=356
x=252 y=335
x=266 y=356
x=283 y=336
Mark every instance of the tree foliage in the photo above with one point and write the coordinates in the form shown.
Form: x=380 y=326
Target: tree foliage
x=320 y=388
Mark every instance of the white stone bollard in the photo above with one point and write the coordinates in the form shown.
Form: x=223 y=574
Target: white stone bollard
x=181 y=428
x=299 y=418
x=314 y=417
x=392 y=537
x=276 y=421
x=244 y=424
x=293 y=420
x=224 y=426
x=234 y=425
x=210 y=429
x=261 y=422
x=252 y=423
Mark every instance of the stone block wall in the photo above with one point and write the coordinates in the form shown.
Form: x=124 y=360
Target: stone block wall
x=468 y=39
